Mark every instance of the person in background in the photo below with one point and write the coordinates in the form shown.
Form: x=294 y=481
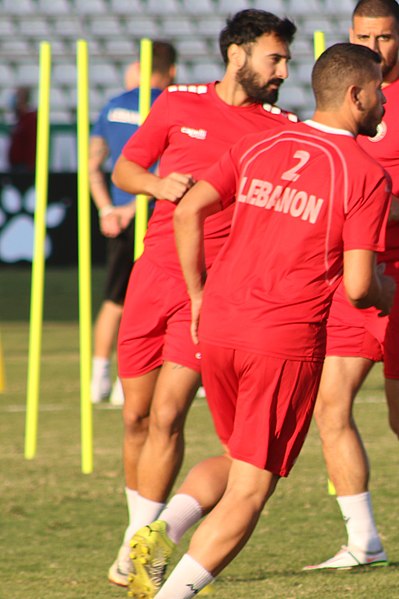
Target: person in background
x=356 y=340
x=22 y=147
x=117 y=122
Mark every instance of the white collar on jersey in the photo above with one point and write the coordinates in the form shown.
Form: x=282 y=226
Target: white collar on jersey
x=327 y=129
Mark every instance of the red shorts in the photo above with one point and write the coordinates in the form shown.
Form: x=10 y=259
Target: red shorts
x=155 y=325
x=362 y=333
x=261 y=406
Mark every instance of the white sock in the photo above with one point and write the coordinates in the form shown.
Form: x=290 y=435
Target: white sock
x=100 y=385
x=357 y=512
x=185 y=580
x=131 y=500
x=180 y=514
x=146 y=512
x=100 y=364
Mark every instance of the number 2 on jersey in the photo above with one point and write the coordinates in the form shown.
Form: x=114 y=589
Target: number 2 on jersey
x=292 y=173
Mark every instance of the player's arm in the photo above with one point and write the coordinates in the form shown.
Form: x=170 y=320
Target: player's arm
x=364 y=284
x=98 y=152
x=201 y=201
x=134 y=179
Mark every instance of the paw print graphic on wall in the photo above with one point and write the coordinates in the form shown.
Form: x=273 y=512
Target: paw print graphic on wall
x=17 y=224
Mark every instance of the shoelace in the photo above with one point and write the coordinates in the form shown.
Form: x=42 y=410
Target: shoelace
x=157 y=570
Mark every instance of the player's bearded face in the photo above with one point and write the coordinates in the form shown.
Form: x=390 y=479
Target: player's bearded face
x=257 y=90
x=374 y=101
x=381 y=34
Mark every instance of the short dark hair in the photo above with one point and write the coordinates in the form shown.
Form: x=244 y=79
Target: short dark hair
x=247 y=25
x=375 y=9
x=164 y=56
x=337 y=68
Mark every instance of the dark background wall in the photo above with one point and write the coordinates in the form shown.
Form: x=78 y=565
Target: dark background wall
x=17 y=202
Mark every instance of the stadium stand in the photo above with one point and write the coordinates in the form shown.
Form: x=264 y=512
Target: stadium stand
x=113 y=29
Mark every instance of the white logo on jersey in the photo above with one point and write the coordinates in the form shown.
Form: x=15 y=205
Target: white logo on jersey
x=123 y=115
x=291 y=201
x=381 y=133
x=194 y=133
x=192 y=89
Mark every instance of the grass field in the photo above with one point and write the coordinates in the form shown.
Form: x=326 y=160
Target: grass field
x=60 y=529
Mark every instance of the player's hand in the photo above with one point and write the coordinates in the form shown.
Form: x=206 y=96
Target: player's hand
x=196 y=304
x=173 y=187
x=387 y=294
x=125 y=214
x=109 y=224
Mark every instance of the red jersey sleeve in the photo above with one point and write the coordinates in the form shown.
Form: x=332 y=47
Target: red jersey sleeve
x=223 y=176
x=148 y=143
x=367 y=216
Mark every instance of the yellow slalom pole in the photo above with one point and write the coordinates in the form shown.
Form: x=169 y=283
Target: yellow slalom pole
x=319 y=43
x=37 y=285
x=2 y=369
x=144 y=108
x=84 y=239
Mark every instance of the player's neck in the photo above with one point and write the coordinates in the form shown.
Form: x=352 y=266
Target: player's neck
x=231 y=92
x=335 y=120
x=392 y=76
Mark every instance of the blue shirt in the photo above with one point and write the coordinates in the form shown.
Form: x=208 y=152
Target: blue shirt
x=117 y=122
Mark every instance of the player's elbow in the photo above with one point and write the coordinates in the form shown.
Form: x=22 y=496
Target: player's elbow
x=117 y=173
x=360 y=295
x=181 y=214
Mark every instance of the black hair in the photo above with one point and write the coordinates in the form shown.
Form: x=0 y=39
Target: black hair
x=246 y=26
x=337 y=68
x=164 y=56
x=375 y=9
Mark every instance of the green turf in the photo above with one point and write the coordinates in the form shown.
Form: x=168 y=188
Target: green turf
x=60 y=529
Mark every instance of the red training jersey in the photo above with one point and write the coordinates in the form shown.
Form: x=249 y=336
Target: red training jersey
x=188 y=128
x=305 y=194
x=384 y=147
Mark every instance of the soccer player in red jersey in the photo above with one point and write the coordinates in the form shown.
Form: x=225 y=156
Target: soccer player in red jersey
x=356 y=340
x=310 y=208
x=188 y=128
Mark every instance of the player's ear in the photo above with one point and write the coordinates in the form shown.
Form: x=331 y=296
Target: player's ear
x=351 y=36
x=355 y=95
x=236 y=55
x=172 y=72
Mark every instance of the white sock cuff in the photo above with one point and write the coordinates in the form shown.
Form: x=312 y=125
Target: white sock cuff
x=146 y=512
x=349 y=500
x=131 y=500
x=100 y=362
x=180 y=514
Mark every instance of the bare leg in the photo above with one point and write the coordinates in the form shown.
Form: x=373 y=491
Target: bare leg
x=344 y=453
x=346 y=461
x=138 y=394
x=392 y=395
x=163 y=450
x=207 y=481
x=227 y=528
x=106 y=329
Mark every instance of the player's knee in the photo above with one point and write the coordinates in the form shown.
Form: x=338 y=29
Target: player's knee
x=134 y=420
x=331 y=419
x=322 y=413
x=167 y=419
x=252 y=496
